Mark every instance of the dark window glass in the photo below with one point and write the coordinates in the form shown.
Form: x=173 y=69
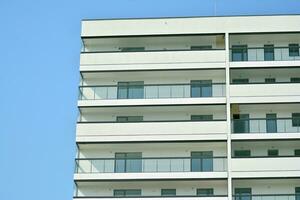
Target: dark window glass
x=132 y=49
x=129 y=118
x=168 y=192
x=242 y=153
x=204 y=47
x=131 y=90
x=241 y=123
x=297 y=192
x=297 y=152
x=201 y=117
x=127 y=193
x=296 y=119
x=239 y=53
x=293 y=49
x=202 y=161
x=271 y=123
x=240 y=81
x=201 y=88
x=273 y=152
x=295 y=80
x=128 y=162
x=269 y=52
x=242 y=193
x=205 y=192
x=270 y=80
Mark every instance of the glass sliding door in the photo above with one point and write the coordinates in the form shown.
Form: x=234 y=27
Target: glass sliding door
x=131 y=90
x=239 y=53
x=202 y=161
x=271 y=123
x=269 y=52
x=128 y=162
x=201 y=88
x=242 y=194
x=241 y=123
x=297 y=193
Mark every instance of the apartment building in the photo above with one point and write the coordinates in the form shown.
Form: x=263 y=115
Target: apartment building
x=199 y=108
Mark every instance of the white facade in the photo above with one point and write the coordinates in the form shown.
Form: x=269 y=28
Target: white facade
x=189 y=108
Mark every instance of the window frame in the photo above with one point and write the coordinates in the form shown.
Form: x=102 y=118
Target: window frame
x=295 y=119
x=241 y=50
x=293 y=49
x=248 y=151
x=125 y=191
x=269 y=51
x=272 y=151
x=168 y=192
x=202 y=118
x=206 y=192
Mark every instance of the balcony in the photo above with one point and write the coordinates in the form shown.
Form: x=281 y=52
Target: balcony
x=151 y=168
x=152 y=131
x=153 y=164
x=264 y=167
x=159 y=93
x=267 y=197
x=264 y=50
x=265 y=93
x=240 y=54
x=264 y=125
x=153 y=52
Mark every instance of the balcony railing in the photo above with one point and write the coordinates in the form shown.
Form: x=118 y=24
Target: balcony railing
x=239 y=54
x=267 y=197
x=192 y=197
x=151 y=165
x=134 y=50
x=264 y=125
x=152 y=91
x=80 y=120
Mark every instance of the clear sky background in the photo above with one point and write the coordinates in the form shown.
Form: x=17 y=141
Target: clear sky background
x=39 y=62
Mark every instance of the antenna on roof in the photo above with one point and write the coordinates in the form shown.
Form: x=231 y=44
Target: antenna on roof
x=215 y=7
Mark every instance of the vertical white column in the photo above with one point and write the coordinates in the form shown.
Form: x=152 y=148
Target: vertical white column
x=228 y=116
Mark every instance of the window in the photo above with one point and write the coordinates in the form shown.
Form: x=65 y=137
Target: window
x=297 y=152
x=241 y=123
x=270 y=80
x=242 y=194
x=242 y=153
x=240 y=81
x=268 y=52
x=202 y=161
x=204 y=47
x=296 y=119
x=127 y=193
x=293 y=49
x=205 y=192
x=273 y=152
x=201 y=117
x=131 y=90
x=168 y=192
x=201 y=88
x=128 y=162
x=271 y=123
x=239 y=53
x=129 y=118
x=295 y=79
x=132 y=49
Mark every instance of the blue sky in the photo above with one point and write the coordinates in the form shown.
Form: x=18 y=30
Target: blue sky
x=40 y=45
